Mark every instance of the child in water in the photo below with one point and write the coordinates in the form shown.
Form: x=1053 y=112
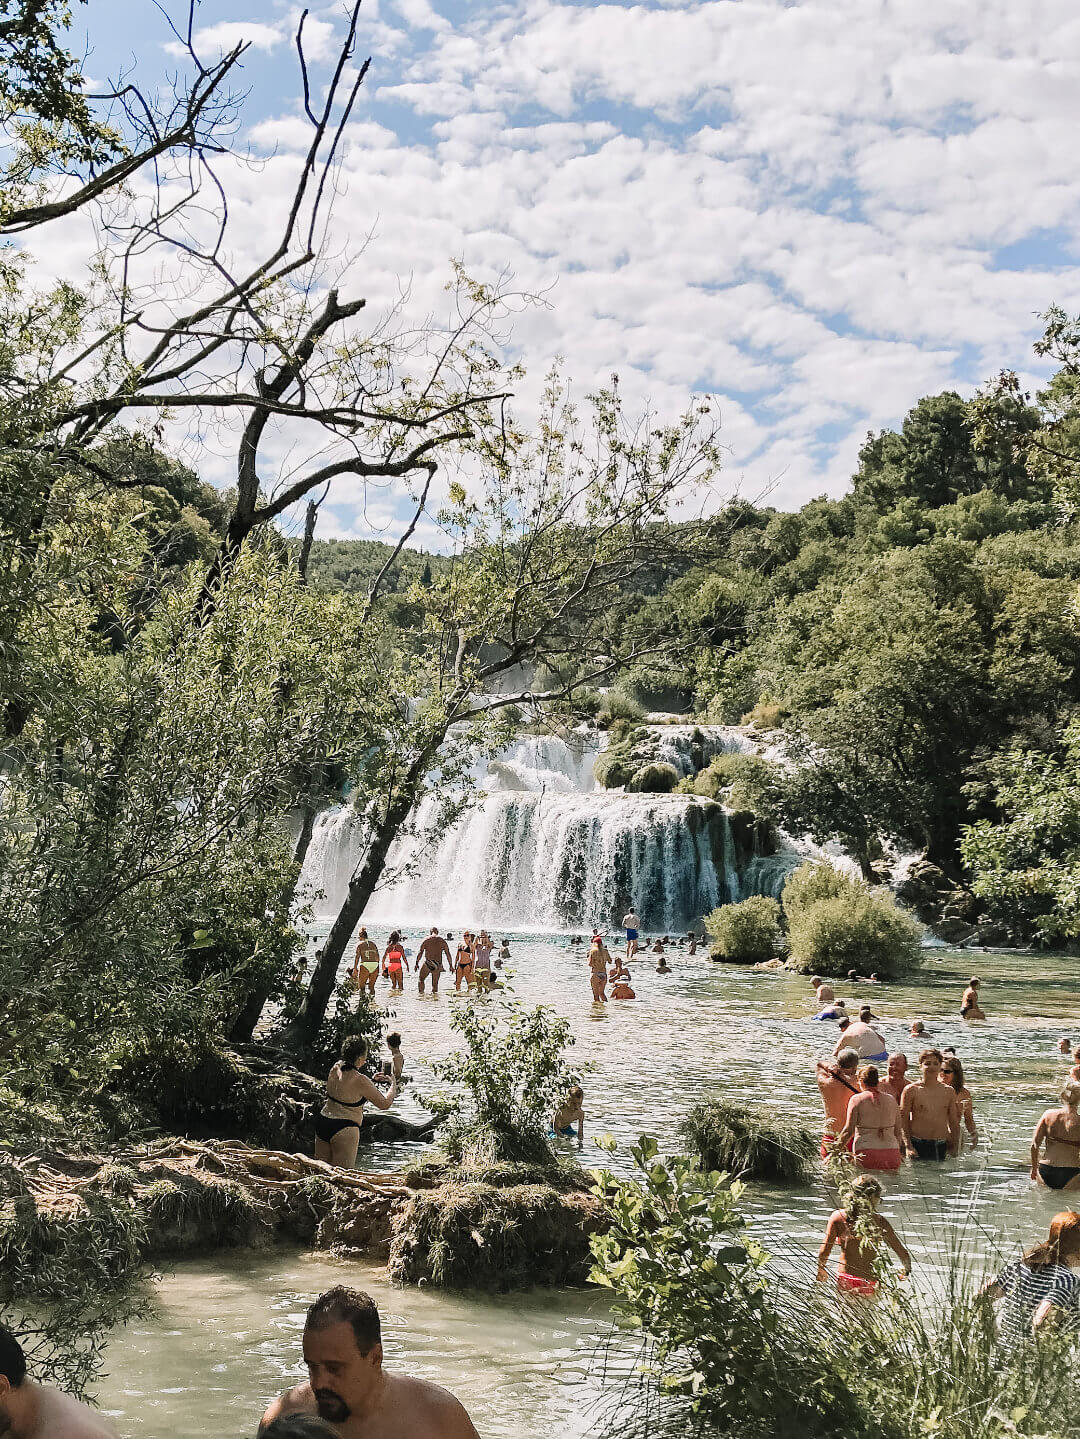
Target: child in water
x=859 y=1231
x=397 y=1059
x=569 y=1113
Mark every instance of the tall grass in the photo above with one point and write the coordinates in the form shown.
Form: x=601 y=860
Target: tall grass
x=749 y=1143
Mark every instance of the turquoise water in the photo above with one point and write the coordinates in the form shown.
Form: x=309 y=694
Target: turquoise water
x=228 y=1333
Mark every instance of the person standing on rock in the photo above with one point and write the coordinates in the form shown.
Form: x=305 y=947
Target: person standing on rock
x=36 y=1411
x=632 y=925
x=349 y=1388
x=429 y=959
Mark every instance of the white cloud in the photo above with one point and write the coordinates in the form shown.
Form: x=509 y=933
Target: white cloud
x=230 y=33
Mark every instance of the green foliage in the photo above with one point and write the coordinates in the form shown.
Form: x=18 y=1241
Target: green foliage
x=864 y=931
x=614 y=766
x=813 y=881
x=617 y=705
x=749 y=1143
x=353 y=1013
x=747 y=932
x=765 y=715
x=657 y=778
x=514 y=1077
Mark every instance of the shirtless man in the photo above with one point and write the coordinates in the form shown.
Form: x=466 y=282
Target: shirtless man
x=896 y=1080
x=429 y=960
x=599 y=959
x=34 y=1411
x=837 y=1083
x=632 y=925
x=365 y=970
x=348 y=1387
x=823 y=990
x=864 y=1039
x=969 y=1005
x=930 y=1111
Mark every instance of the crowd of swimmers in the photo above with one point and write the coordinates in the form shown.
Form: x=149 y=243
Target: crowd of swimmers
x=877 y=1113
x=348 y=1393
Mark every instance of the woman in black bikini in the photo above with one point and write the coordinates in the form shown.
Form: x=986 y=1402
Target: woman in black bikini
x=337 y=1125
x=1059 y=1131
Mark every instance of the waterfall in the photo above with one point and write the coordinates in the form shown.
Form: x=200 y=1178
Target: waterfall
x=544 y=848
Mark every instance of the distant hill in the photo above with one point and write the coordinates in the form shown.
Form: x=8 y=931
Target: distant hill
x=352 y=565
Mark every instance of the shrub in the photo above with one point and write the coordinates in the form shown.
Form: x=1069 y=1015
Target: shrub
x=865 y=931
x=814 y=880
x=614 y=766
x=749 y=1143
x=616 y=705
x=765 y=716
x=654 y=778
x=745 y=933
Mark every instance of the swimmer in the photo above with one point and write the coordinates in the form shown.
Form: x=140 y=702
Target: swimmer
x=504 y=949
x=1059 y=1131
x=37 y=1411
x=599 y=959
x=823 y=990
x=365 y=970
x=571 y=1112
x=631 y=924
x=658 y=947
x=848 y=1227
x=348 y=1386
x=621 y=989
x=930 y=1111
x=693 y=942
x=663 y=967
x=895 y=1080
x=433 y=951
x=917 y=1029
x=836 y=1083
x=1064 y=1045
x=969 y=1005
x=864 y=1039
x=952 y=1072
x=835 y=1009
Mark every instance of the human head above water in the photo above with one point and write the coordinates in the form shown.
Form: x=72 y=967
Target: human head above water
x=931 y=1059
x=342 y=1351
x=897 y=1063
x=1070 y=1093
x=393 y=1041
x=866 y=1014
x=12 y=1359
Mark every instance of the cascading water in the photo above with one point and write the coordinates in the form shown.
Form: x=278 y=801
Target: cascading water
x=546 y=849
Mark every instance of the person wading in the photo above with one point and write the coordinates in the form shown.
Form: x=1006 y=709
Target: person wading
x=873 y=1124
x=429 y=960
x=1058 y=1135
x=930 y=1111
x=349 y=1388
x=837 y=1084
x=348 y=1089
x=365 y=970
x=860 y=1231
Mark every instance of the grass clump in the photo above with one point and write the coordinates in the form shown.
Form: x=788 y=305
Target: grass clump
x=201 y=1213
x=614 y=767
x=748 y=1143
x=765 y=716
x=618 y=705
x=745 y=933
x=479 y=1236
x=656 y=778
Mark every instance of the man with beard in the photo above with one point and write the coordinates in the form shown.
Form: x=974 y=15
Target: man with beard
x=34 y=1411
x=348 y=1387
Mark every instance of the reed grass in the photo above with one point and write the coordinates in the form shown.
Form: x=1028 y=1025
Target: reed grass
x=749 y=1143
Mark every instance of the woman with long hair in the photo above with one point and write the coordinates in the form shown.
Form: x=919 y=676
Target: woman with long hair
x=1043 y=1279
x=952 y=1072
x=348 y=1089
x=395 y=961
x=1057 y=1137
x=860 y=1231
x=873 y=1124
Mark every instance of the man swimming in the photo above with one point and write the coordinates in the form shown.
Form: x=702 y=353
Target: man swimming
x=865 y=1040
x=37 y=1411
x=433 y=950
x=930 y=1111
x=349 y=1388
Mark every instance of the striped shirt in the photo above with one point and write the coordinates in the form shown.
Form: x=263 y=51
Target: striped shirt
x=1025 y=1289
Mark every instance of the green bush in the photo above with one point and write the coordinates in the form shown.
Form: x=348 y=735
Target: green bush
x=865 y=931
x=765 y=716
x=813 y=881
x=654 y=778
x=745 y=933
x=742 y=781
x=749 y=1143
x=616 y=705
x=614 y=766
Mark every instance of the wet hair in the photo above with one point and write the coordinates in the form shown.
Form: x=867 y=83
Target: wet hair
x=1070 y=1093
x=354 y=1048
x=298 y=1426
x=347 y=1306
x=931 y=1054
x=394 y=1040
x=12 y=1359
x=954 y=1072
x=395 y=937
x=847 y=1057
x=1063 y=1240
x=863 y=1193
x=918 y=1027
x=865 y=1014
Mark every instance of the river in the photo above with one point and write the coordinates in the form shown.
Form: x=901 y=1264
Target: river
x=227 y=1333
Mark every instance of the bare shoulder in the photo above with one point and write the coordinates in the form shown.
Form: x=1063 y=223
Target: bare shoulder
x=299 y=1400
x=434 y=1412
x=63 y=1417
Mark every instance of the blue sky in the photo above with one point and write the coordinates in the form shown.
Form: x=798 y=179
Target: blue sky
x=817 y=210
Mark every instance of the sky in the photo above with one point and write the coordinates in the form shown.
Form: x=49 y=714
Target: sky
x=815 y=210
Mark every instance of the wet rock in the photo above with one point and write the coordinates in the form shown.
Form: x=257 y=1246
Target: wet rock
x=954 y=931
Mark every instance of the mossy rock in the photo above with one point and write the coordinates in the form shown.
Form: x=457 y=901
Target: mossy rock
x=479 y=1236
x=658 y=778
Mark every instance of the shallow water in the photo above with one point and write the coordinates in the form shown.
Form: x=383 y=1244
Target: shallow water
x=228 y=1334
